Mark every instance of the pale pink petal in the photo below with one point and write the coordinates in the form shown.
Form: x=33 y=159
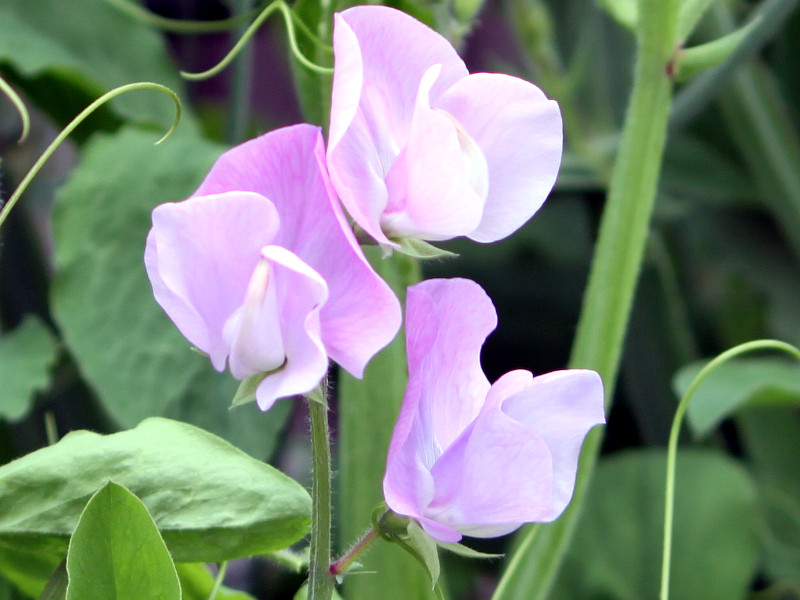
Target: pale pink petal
x=287 y=166
x=561 y=407
x=495 y=477
x=200 y=256
x=447 y=367
x=380 y=55
x=301 y=293
x=520 y=133
x=438 y=184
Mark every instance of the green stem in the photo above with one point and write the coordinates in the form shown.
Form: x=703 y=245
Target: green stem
x=672 y=448
x=184 y=26
x=223 y=568
x=342 y=564
x=620 y=248
x=142 y=85
x=320 y=582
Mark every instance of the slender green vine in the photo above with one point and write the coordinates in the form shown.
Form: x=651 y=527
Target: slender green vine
x=672 y=448
x=289 y=20
x=72 y=125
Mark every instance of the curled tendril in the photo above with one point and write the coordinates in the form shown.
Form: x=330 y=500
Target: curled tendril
x=672 y=448
x=290 y=20
x=179 y=25
x=141 y=85
x=20 y=106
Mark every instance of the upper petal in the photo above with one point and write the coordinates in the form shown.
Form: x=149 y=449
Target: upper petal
x=200 y=256
x=381 y=55
x=520 y=133
x=560 y=407
x=287 y=166
x=447 y=321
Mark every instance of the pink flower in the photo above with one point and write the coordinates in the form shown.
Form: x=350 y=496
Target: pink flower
x=420 y=148
x=476 y=459
x=259 y=269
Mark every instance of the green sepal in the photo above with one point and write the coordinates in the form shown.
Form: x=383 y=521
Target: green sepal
x=117 y=552
x=246 y=392
x=691 y=61
x=467 y=552
x=424 y=550
x=317 y=395
x=422 y=250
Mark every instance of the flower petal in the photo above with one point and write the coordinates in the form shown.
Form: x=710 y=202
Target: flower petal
x=520 y=133
x=560 y=407
x=300 y=295
x=495 y=477
x=447 y=321
x=200 y=256
x=381 y=55
x=288 y=167
x=437 y=186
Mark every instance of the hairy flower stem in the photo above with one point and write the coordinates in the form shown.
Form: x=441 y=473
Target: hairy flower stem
x=342 y=564
x=242 y=83
x=620 y=248
x=320 y=581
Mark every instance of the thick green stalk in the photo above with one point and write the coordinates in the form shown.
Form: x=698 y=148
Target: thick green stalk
x=535 y=562
x=320 y=582
x=367 y=413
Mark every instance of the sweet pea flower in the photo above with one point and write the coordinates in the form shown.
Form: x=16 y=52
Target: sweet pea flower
x=420 y=148
x=259 y=269
x=469 y=458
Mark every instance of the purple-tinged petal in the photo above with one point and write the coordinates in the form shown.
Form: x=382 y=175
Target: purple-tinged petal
x=447 y=321
x=287 y=166
x=520 y=133
x=438 y=184
x=381 y=55
x=560 y=407
x=300 y=295
x=200 y=256
x=495 y=477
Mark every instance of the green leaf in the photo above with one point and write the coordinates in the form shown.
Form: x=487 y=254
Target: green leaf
x=197 y=583
x=26 y=355
x=116 y=552
x=211 y=501
x=616 y=551
x=127 y=349
x=29 y=561
x=246 y=392
x=84 y=57
x=771 y=441
x=691 y=61
x=736 y=384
